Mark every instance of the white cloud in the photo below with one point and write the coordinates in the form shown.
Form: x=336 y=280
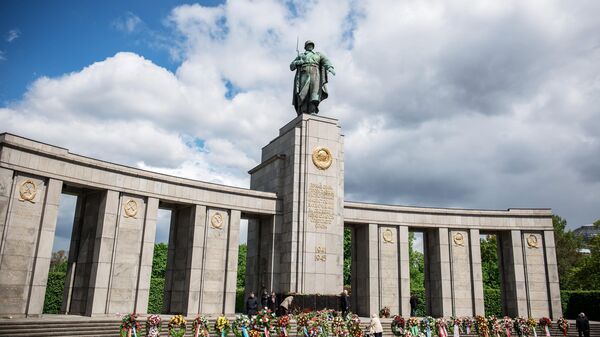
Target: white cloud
x=487 y=105
x=128 y=23
x=12 y=35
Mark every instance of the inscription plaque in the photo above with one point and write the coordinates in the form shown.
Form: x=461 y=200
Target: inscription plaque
x=320 y=205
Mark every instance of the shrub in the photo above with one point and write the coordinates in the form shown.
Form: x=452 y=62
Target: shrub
x=576 y=301
x=156 y=297
x=54 y=292
x=493 y=302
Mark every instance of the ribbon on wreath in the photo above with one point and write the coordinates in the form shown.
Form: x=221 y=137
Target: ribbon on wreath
x=428 y=331
x=547 y=331
x=468 y=329
x=305 y=332
x=442 y=331
x=534 y=332
x=244 y=332
x=507 y=332
x=284 y=331
x=266 y=332
x=457 y=331
x=414 y=330
x=134 y=333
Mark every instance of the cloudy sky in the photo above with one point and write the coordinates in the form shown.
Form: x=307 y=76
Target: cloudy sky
x=486 y=104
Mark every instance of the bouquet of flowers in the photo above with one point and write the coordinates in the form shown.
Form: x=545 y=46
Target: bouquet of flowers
x=456 y=323
x=531 y=324
x=468 y=323
x=282 y=324
x=413 y=325
x=129 y=326
x=494 y=326
x=254 y=333
x=153 y=326
x=339 y=327
x=482 y=326
x=354 y=326
x=442 y=327
x=507 y=325
x=177 y=326
x=427 y=323
x=264 y=321
x=546 y=323
x=384 y=312
x=200 y=326
x=398 y=325
x=563 y=325
x=240 y=326
x=222 y=325
x=521 y=327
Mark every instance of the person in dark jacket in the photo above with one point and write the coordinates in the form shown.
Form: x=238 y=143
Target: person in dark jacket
x=264 y=298
x=414 y=301
x=344 y=303
x=251 y=305
x=583 y=325
x=273 y=302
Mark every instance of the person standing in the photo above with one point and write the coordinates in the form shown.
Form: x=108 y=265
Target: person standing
x=285 y=306
x=251 y=305
x=414 y=301
x=375 y=328
x=264 y=298
x=273 y=302
x=344 y=303
x=583 y=325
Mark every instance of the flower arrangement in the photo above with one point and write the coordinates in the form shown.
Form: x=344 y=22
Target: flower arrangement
x=222 y=325
x=413 y=325
x=254 y=333
x=521 y=326
x=456 y=323
x=468 y=323
x=129 y=326
x=442 y=327
x=384 y=312
x=282 y=324
x=563 y=325
x=339 y=327
x=545 y=323
x=507 y=325
x=177 y=326
x=200 y=326
x=264 y=320
x=494 y=326
x=427 y=324
x=398 y=324
x=153 y=326
x=354 y=326
x=531 y=324
x=482 y=326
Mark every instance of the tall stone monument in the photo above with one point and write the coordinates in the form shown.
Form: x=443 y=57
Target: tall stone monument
x=304 y=165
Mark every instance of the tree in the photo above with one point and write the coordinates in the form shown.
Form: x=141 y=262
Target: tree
x=417 y=265
x=489 y=262
x=159 y=261
x=58 y=261
x=241 y=273
x=347 y=256
x=567 y=256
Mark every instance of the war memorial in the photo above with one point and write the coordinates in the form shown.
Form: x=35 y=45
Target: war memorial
x=296 y=212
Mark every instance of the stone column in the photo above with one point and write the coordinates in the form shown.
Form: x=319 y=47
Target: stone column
x=365 y=286
x=439 y=281
x=552 y=272
x=389 y=273
x=403 y=248
x=146 y=256
x=27 y=238
x=103 y=242
x=476 y=273
x=461 y=275
x=535 y=275
x=513 y=272
x=233 y=246
x=6 y=186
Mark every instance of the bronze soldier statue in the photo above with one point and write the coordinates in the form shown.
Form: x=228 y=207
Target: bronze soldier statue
x=310 y=80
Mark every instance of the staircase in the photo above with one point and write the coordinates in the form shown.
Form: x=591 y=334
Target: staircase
x=63 y=326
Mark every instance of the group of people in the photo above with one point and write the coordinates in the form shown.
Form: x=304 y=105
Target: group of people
x=267 y=301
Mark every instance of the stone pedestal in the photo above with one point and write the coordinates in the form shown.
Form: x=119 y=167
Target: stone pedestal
x=304 y=166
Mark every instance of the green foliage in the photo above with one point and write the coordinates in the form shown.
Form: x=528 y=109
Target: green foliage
x=239 y=300
x=241 y=272
x=422 y=306
x=493 y=302
x=58 y=262
x=54 y=292
x=159 y=261
x=347 y=256
x=417 y=265
x=156 y=297
x=574 y=302
x=489 y=262
x=567 y=257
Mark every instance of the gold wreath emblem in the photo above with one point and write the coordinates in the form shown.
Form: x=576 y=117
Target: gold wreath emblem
x=459 y=239
x=216 y=221
x=388 y=236
x=130 y=208
x=27 y=190
x=321 y=157
x=532 y=241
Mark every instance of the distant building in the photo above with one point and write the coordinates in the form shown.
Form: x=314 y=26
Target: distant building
x=587 y=232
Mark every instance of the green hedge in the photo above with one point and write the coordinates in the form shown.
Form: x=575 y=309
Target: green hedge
x=156 y=297
x=54 y=292
x=240 y=300
x=492 y=299
x=576 y=301
x=422 y=306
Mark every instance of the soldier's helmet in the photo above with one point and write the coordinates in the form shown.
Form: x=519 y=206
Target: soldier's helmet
x=307 y=43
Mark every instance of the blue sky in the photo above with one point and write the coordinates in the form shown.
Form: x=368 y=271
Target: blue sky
x=443 y=103
x=51 y=38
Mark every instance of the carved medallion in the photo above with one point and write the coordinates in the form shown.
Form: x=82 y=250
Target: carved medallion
x=321 y=157
x=27 y=191
x=216 y=221
x=320 y=253
x=532 y=241
x=388 y=236
x=459 y=239
x=130 y=208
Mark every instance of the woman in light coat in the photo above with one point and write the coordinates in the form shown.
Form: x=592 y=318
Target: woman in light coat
x=375 y=328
